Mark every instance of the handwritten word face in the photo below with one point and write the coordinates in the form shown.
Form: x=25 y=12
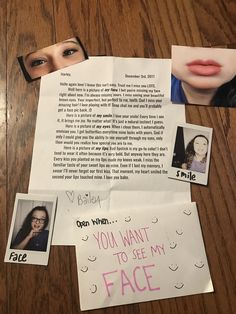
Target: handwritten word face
x=138 y=281
x=18 y=257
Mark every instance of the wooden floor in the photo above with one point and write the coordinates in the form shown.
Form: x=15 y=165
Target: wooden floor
x=142 y=28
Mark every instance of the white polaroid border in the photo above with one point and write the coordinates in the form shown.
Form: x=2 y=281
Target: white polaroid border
x=176 y=172
x=26 y=256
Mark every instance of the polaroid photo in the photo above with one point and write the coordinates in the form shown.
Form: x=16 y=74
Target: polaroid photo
x=52 y=58
x=203 y=76
x=190 y=155
x=31 y=229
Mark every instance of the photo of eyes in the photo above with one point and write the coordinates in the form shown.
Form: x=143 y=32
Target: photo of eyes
x=203 y=76
x=52 y=58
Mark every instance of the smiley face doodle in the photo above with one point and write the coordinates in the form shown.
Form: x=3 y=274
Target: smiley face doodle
x=179 y=232
x=85 y=238
x=84 y=269
x=187 y=212
x=173 y=245
x=173 y=267
x=127 y=219
x=93 y=288
x=179 y=285
x=200 y=264
x=92 y=258
x=154 y=220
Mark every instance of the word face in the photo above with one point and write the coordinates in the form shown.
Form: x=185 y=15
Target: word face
x=139 y=280
x=15 y=257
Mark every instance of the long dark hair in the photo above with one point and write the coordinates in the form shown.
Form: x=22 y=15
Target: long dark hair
x=23 y=69
x=26 y=226
x=225 y=95
x=82 y=47
x=190 y=152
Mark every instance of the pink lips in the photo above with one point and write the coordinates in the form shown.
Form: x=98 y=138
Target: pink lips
x=204 y=67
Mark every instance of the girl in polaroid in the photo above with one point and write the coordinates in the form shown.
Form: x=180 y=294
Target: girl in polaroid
x=196 y=154
x=33 y=235
x=190 y=155
x=31 y=229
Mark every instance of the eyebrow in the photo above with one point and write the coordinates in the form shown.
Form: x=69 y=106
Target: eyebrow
x=28 y=54
x=69 y=41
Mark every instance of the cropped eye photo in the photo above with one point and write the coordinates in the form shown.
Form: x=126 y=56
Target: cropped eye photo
x=52 y=58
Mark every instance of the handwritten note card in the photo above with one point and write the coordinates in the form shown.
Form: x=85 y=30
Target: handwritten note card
x=135 y=256
x=72 y=203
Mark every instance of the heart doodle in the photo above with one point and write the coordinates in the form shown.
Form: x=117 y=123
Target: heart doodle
x=70 y=195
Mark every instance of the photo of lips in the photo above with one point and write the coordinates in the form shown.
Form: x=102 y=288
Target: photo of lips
x=204 y=67
x=203 y=76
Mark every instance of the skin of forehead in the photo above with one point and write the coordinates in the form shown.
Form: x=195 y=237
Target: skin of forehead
x=201 y=138
x=38 y=214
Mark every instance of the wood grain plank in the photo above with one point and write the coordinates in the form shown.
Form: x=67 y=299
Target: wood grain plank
x=83 y=19
x=216 y=21
x=228 y=117
x=125 y=28
x=3 y=163
x=173 y=23
x=22 y=107
x=218 y=199
x=216 y=205
x=30 y=27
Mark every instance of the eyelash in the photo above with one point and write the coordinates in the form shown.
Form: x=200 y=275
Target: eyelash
x=69 y=52
x=66 y=53
x=37 y=62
